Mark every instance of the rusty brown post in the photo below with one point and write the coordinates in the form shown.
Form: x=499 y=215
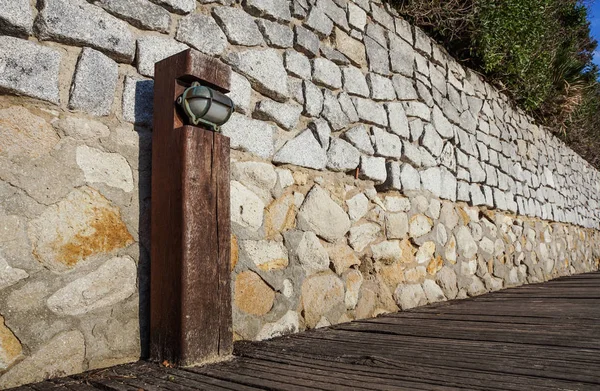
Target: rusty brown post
x=190 y=298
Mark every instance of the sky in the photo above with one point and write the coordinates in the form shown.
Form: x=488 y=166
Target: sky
x=594 y=17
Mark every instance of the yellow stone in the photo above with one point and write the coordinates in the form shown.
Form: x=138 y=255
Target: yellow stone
x=25 y=135
x=435 y=265
x=280 y=216
x=81 y=226
x=10 y=347
x=301 y=178
x=235 y=252
x=274 y=264
x=425 y=252
x=392 y=274
x=252 y=295
x=450 y=251
x=408 y=251
x=342 y=257
x=463 y=215
x=415 y=275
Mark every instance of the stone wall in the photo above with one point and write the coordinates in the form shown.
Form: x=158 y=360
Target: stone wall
x=370 y=173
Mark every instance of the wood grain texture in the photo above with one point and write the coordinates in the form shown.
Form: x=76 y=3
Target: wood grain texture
x=190 y=313
x=535 y=338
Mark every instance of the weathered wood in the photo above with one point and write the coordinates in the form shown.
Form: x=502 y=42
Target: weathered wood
x=190 y=316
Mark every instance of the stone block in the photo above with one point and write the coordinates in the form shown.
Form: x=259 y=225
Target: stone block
x=23 y=135
x=377 y=55
x=250 y=135
x=381 y=87
x=335 y=13
x=408 y=296
x=333 y=113
x=402 y=57
x=10 y=347
x=359 y=137
x=342 y=156
x=297 y=64
x=371 y=112
x=348 y=106
x=114 y=281
x=285 y=115
x=404 y=29
x=362 y=235
x=94 y=84
x=441 y=124
x=202 y=33
x=138 y=100
x=405 y=88
x=313 y=99
x=16 y=17
x=82 y=225
x=306 y=249
x=397 y=120
x=320 y=214
x=386 y=144
x=287 y=324
x=275 y=34
x=333 y=55
x=321 y=131
x=239 y=26
x=240 y=93
x=323 y=297
x=377 y=33
x=63 y=355
x=264 y=69
x=76 y=22
x=373 y=168
x=29 y=69
x=431 y=179
x=251 y=294
x=247 y=209
x=326 y=73
x=355 y=82
x=306 y=41
x=265 y=254
x=409 y=178
x=278 y=10
x=177 y=6
x=312 y=154
x=139 y=13
x=357 y=17
x=319 y=22
x=350 y=47
x=432 y=141
x=422 y=41
x=111 y=169
x=417 y=109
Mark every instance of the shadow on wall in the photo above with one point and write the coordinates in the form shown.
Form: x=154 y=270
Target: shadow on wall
x=142 y=118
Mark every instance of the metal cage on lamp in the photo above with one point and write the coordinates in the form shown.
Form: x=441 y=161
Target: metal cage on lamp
x=206 y=106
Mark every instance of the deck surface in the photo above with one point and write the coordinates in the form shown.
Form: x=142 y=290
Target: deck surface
x=535 y=337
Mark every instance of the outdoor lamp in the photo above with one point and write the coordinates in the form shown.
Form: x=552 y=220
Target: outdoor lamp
x=206 y=106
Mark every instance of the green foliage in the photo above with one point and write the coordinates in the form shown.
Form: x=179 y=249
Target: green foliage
x=513 y=42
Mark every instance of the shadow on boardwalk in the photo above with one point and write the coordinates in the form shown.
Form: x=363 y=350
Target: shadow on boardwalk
x=535 y=337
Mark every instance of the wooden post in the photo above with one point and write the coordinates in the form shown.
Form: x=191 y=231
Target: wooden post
x=190 y=309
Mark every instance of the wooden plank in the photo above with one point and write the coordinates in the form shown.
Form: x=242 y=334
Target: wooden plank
x=402 y=371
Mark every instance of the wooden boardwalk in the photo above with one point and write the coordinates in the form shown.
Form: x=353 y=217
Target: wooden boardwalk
x=535 y=337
